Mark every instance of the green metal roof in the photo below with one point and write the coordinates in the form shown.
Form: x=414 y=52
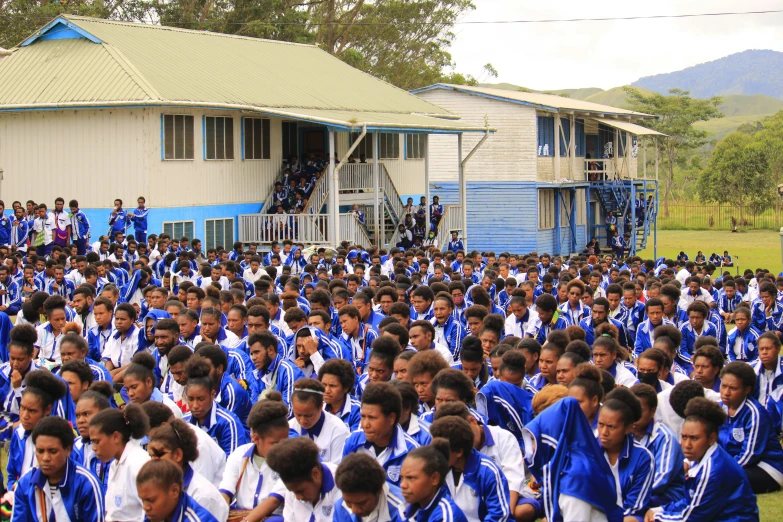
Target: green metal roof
x=80 y=62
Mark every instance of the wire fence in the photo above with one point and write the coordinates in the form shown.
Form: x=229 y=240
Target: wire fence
x=685 y=215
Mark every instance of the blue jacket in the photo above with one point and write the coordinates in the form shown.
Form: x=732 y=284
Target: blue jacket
x=96 y=341
x=728 y=305
x=401 y=444
x=685 y=353
x=82 y=496
x=456 y=246
x=441 y=508
x=20 y=233
x=748 y=343
x=233 y=397
x=280 y=376
x=394 y=504
x=85 y=457
x=489 y=489
x=773 y=323
x=119 y=222
x=453 y=334
x=80 y=225
x=750 y=438
x=188 y=510
x=351 y=413
x=644 y=336
x=669 y=482
x=506 y=405
x=139 y=219
x=717 y=489
x=6 y=224
x=13 y=298
x=557 y=323
x=223 y=426
x=5 y=336
x=636 y=315
x=20 y=456
x=565 y=452
x=588 y=325
x=637 y=471
x=574 y=316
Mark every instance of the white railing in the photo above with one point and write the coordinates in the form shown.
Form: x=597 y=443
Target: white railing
x=319 y=195
x=390 y=191
x=353 y=231
x=356 y=176
x=449 y=222
x=266 y=228
x=600 y=169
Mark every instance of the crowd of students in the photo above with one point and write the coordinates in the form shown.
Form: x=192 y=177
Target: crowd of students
x=160 y=383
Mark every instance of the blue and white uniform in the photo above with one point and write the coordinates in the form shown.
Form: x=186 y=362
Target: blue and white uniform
x=451 y=334
x=350 y=413
x=441 y=508
x=669 y=482
x=279 y=376
x=574 y=316
x=188 y=510
x=743 y=345
x=328 y=433
x=223 y=426
x=684 y=355
x=506 y=405
x=323 y=510
x=634 y=472
x=248 y=480
x=21 y=456
x=387 y=509
x=390 y=458
x=481 y=491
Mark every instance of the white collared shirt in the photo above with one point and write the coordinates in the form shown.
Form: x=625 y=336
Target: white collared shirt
x=207 y=495
x=330 y=440
x=211 y=459
x=121 y=351
x=256 y=483
x=323 y=510
x=122 y=500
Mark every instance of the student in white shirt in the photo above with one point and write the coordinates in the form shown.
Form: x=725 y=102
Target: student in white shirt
x=124 y=341
x=311 y=493
x=248 y=482
x=311 y=421
x=111 y=432
x=176 y=442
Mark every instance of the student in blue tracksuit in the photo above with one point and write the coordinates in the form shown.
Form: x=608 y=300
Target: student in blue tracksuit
x=38 y=399
x=208 y=415
x=160 y=487
x=338 y=377
x=58 y=489
x=381 y=436
x=408 y=418
x=80 y=228
x=366 y=495
x=424 y=487
x=599 y=316
x=118 y=220
x=644 y=333
x=573 y=310
x=273 y=371
x=506 y=401
x=717 y=487
x=742 y=340
x=749 y=435
x=669 y=482
x=548 y=320
x=229 y=393
x=456 y=244
x=698 y=325
x=475 y=482
x=448 y=330
x=139 y=219
x=769 y=373
x=94 y=400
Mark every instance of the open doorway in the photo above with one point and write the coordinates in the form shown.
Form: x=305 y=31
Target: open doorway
x=313 y=141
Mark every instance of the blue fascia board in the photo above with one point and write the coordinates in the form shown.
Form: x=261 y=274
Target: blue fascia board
x=41 y=33
x=484 y=95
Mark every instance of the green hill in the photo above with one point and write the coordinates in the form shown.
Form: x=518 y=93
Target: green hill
x=750 y=104
x=577 y=94
x=720 y=127
x=615 y=97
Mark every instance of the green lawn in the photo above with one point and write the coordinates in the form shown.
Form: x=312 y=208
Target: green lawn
x=753 y=249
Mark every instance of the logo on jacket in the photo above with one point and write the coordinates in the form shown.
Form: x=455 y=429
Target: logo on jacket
x=394 y=473
x=326 y=510
x=118 y=500
x=738 y=434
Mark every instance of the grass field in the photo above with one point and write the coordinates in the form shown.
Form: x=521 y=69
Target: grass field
x=752 y=249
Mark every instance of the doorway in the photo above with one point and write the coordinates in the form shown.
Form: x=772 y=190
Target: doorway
x=313 y=141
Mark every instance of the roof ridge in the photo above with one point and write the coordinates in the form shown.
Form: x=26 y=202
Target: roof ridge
x=77 y=18
x=132 y=72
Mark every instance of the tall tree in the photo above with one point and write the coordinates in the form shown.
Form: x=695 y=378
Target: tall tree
x=738 y=173
x=676 y=115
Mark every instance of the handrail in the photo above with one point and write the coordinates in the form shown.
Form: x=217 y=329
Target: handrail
x=450 y=220
x=267 y=228
x=391 y=194
x=353 y=231
x=318 y=196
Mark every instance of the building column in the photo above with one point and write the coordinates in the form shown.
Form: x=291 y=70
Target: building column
x=463 y=200
x=334 y=193
x=376 y=181
x=427 y=178
x=556 y=145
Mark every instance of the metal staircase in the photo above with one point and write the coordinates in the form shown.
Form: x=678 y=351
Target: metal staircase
x=619 y=196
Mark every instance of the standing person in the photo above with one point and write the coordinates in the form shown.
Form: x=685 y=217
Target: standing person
x=5 y=226
x=62 y=224
x=118 y=220
x=20 y=232
x=43 y=230
x=80 y=227
x=139 y=220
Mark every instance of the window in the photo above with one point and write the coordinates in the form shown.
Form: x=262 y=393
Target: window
x=364 y=146
x=290 y=139
x=390 y=145
x=546 y=136
x=177 y=137
x=581 y=141
x=414 y=146
x=218 y=138
x=546 y=209
x=177 y=229
x=219 y=232
x=256 y=138
x=565 y=136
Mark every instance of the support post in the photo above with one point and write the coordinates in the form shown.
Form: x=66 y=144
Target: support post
x=557 y=222
x=644 y=156
x=572 y=148
x=556 y=145
x=632 y=245
x=334 y=192
x=573 y=220
x=376 y=181
x=427 y=180
x=463 y=200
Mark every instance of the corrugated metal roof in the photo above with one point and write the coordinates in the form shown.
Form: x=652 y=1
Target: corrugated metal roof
x=375 y=120
x=180 y=65
x=637 y=130
x=542 y=101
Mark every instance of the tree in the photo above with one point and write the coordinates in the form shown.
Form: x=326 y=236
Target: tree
x=738 y=173
x=676 y=115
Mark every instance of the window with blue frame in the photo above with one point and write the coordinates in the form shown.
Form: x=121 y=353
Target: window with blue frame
x=414 y=146
x=546 y=135
x=581 y=140
x=565 y=136
x=255 y=139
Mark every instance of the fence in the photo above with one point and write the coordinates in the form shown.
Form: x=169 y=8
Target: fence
x=714 y=216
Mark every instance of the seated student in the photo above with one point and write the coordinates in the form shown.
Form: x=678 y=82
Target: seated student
x=139 y=383
x=708 y=361
x=381 y=435
x=742 y=340
x=160 y=487
x=273 y=371
x=473 y=363
x=123 y=343
x=95 y=399
x=669 y=482
x=717 y=487
x=668 y=339
x=547 y=321
x=98 y=335
x=650 y=366
x=249 y=484
x=310 y=493
x=41 y=393
x=422 y=369
x=113 y=433
x=409 y=421
x=531 y=349
x=380 y=367
x=175 y=379
x=366 y=494
x=698 y=325
x=422 y=338
x=73 y=347
x=588 y=390
x=475 y=482
x=769 y=373
x=749 y=434
x=608 y=355
x=311 y=421
x=176 y=442
x=356 y=337
x=599 y=316
x=78 y=375
x=633 y=462
x=573 y=310
x=205 y=413
x=506 y=401
x=229 y=393
x=547 y=365
x=338 y=378
x=58 y=489
x=577 y=352
x=51 y=332
x=448 y=329
x=644 y=333
x=424 y=488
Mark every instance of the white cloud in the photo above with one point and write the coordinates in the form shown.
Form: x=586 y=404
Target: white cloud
x=606 y=54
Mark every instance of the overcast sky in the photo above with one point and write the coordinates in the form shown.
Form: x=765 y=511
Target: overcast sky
x=606 y=54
